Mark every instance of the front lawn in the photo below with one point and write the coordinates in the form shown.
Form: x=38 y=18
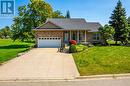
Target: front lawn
x=10 y=49
x=103 y=60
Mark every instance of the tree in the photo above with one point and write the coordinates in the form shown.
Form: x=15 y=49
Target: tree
x=128 y=20
x=67 y=14
x=5 y=32
x=1 y=35
x=29 y=17
x=57 y=14
x=39 y=11
x=106 y=33
x=119 y=23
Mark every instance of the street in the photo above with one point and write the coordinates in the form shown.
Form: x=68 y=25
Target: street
x=123 y=81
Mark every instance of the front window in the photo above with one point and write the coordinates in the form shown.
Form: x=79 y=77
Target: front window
x=96 y=36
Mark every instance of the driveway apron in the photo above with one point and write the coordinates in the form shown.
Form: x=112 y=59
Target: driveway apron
x=40 y=63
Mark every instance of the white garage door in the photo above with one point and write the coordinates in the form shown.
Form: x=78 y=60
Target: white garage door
x=49 y=42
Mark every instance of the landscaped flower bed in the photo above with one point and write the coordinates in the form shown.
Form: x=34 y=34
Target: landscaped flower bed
x=74 y=42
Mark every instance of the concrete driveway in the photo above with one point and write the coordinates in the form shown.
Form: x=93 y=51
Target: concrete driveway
x=40 y=63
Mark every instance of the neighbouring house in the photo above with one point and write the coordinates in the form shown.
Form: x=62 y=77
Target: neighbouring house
x=56 y=32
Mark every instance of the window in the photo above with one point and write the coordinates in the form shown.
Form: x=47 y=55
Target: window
x=81 y=36
x=96 y=36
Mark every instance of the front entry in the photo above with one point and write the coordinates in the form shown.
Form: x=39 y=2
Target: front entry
x=74 y=35
x=79 y=36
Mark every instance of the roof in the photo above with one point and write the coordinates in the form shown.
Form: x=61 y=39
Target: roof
x=72 y=24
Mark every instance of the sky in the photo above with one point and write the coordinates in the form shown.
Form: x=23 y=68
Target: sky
x=91 y=10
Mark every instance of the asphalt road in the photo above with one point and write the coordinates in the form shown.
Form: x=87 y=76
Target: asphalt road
x=77 y=82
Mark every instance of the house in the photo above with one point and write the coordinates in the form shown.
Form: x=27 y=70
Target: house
x=56 y=32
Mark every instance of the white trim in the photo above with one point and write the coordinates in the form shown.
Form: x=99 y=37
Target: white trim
x=78 y=36
x=96 y=36
x=70 y=34
x=85 y=37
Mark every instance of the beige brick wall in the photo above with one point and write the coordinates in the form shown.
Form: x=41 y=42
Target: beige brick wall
x=49 y=34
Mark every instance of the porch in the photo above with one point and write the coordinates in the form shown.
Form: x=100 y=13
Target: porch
x=79 y=35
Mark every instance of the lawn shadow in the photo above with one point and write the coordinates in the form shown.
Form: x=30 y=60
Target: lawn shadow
x=14 y=46
x=29 y=41
x=115 y=44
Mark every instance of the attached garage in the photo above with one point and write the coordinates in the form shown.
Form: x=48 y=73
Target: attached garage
x=49 y=42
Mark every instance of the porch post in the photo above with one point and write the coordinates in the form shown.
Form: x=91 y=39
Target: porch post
x=78 y=36
x=70 y=34
x=85 y=37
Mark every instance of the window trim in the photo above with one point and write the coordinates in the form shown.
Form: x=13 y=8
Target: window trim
x=97 y=36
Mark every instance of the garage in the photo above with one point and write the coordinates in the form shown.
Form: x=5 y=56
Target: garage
x=49 y=42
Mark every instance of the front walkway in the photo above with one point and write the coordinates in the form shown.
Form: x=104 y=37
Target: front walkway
x=40 y=63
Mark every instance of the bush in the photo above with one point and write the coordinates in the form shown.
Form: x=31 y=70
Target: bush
x=77 y=48
x=72 y=49
x=72 y=42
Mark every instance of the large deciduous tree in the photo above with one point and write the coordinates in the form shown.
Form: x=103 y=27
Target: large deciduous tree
x=57 y=14
x=39 y=11
x=31 y=16
x=106 y=33
x=119 y=23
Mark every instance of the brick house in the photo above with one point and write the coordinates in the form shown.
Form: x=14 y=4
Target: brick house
x=56 y=32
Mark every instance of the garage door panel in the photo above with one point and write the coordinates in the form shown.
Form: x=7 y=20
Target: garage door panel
x=49 y=42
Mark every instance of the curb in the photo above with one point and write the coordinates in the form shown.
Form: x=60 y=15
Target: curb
x=104 y=76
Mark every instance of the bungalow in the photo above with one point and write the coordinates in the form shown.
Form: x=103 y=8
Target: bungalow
x=56 y=32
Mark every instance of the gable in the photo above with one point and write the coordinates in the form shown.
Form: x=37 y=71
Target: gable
x=49 y=25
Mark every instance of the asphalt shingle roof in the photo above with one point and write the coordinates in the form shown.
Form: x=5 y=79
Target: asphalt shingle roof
x=74 y=24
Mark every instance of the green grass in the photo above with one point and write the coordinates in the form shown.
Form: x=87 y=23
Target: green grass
x=80 y=47
x=10 y=49
x=103 y=60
